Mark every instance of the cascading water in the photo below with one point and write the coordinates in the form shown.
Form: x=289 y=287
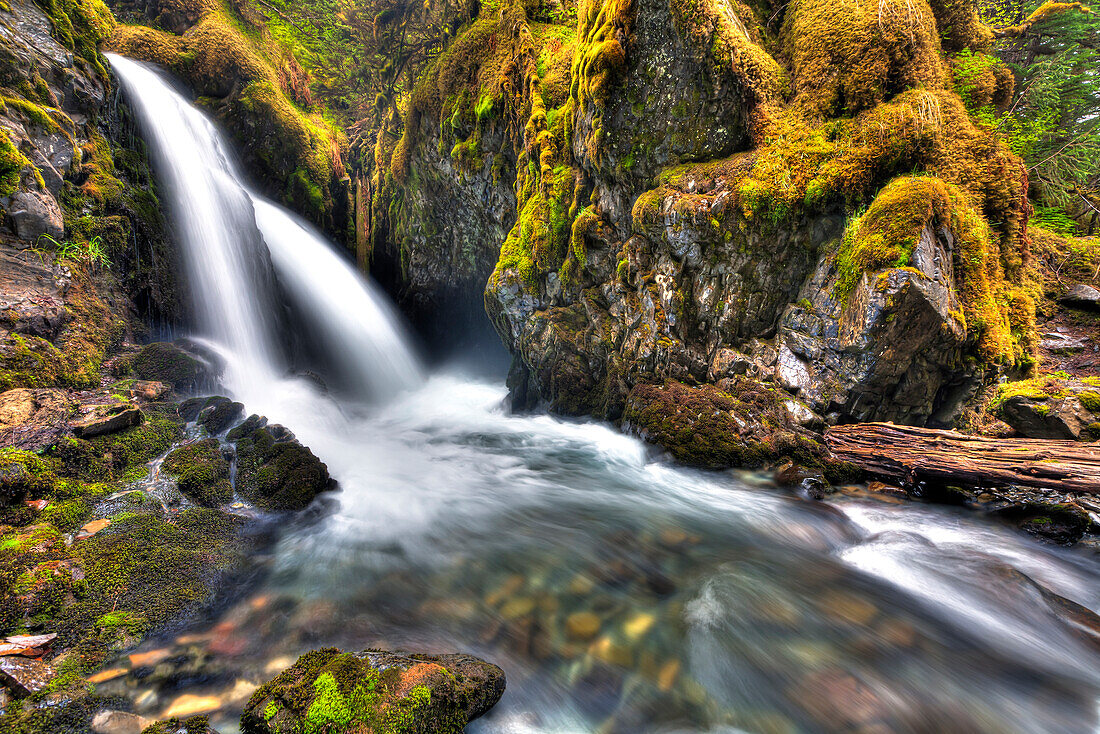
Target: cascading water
x=621 y=594
x=237 y=245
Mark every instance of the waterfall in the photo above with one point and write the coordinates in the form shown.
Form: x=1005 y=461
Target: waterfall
x=249 y=261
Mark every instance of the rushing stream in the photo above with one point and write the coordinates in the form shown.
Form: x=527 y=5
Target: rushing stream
x=620 y=593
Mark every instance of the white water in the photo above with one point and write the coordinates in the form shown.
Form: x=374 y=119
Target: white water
x=238 y=247
x=446 y=499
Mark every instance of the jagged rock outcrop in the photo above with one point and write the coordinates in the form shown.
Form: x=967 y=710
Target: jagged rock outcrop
x=82 y=239
x=707 y=202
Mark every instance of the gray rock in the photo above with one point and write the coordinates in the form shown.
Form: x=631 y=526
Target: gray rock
x=35 y=213
x=1082 y=296
x=1064 y=415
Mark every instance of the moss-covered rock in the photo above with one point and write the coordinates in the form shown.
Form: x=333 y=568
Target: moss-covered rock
x=274 y=470
x=744 y=425
x=202 y=471
x=192 y=725
x=1053 y=406
x=328 y=691
x=23 y=474
x=173 y=364
x=215 y=414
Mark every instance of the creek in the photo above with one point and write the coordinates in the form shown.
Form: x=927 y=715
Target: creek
x=620 y=592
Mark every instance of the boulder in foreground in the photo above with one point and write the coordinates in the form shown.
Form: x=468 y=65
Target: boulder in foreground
x=374 y=691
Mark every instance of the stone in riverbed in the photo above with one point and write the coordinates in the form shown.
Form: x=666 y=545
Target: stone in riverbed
x=118 y=722
x=375 y=691
x=274 y=470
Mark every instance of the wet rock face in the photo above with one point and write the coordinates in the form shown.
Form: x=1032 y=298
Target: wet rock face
x=375 y=691
x=274 y=470
x=438 y=253
x=667 y=104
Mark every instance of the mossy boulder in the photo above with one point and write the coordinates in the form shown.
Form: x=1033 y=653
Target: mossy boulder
x=23 y=474
x=747 y=424
x=1063 y=523
x=144 y=571
x=274 y=470
x=174 y=364
x=202 y=471
x=398 y=693
x=1052 y=406
x=215 y=414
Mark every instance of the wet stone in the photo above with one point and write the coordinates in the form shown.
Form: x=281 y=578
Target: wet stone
x=24 y=676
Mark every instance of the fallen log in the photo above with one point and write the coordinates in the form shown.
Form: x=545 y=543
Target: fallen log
x=913 y=455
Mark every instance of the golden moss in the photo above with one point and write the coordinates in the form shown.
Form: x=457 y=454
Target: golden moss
x=848 y=56
x=887 y=233
x=960 y=26
x=238 y=68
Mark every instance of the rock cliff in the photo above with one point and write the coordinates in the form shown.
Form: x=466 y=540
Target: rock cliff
x=706 y=190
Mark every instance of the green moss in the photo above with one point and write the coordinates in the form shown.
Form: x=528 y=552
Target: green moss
x=328 y=691
x=711 y=428
x=203 y=472
x=143 y=571
x=274 y=471
x=81 y=26
x=1090 y=401
x=886 y=234
x=128 y=450
x=12 y=165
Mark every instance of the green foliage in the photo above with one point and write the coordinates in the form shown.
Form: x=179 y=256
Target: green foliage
x=1054 y=122
x=93 y=252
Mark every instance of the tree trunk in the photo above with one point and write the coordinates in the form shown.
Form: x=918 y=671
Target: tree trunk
x=921 y=454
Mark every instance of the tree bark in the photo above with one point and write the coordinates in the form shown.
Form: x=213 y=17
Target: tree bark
x=921 y=454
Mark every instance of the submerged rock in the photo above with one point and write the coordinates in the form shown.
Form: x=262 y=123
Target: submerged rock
x=25 y=676
x=274 y=470
x=375 y=691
